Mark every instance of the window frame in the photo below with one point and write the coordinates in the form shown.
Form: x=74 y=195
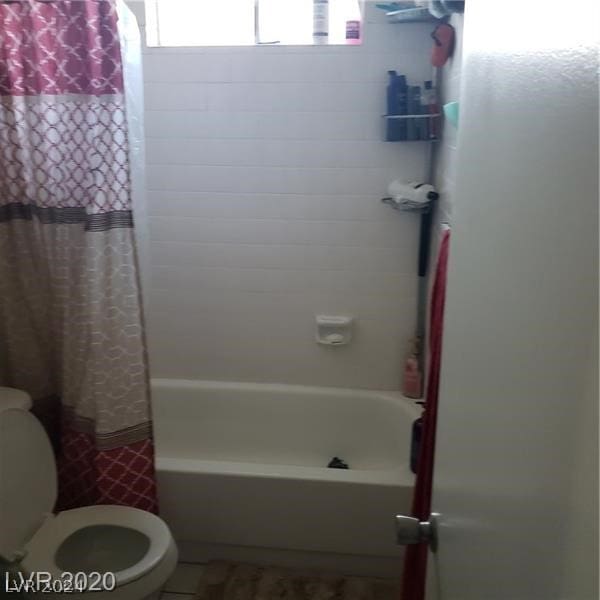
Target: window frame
x=153 y=36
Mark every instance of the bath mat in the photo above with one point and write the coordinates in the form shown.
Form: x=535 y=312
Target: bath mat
x=237 y=581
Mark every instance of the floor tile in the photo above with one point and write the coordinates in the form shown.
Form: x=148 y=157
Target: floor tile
x=184 y=580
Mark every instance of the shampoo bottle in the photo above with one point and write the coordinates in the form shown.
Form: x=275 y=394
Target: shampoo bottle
x=402 y=107
x=392 y=133
x=412 y=385
x=320 y=21
x=430 y=106
x=353 y=15
x=414 y=108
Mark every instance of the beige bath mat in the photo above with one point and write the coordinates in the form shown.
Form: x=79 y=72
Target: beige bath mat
x=236 y=581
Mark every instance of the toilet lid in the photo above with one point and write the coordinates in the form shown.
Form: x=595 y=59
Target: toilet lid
x=28 y=484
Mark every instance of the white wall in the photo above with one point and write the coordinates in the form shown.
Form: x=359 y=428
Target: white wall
x=265 y=171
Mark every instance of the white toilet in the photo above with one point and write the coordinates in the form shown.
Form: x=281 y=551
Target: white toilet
x=135 y=545
x=13 y=398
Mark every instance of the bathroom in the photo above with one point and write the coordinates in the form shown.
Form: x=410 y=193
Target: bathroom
x=273 y=299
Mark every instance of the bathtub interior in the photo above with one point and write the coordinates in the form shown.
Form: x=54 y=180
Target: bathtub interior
x=281 y=425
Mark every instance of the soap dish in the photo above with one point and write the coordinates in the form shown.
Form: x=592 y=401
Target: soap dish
x=334 y=330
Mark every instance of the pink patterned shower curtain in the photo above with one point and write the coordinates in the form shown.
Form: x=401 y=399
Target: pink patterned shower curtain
x=71 y=325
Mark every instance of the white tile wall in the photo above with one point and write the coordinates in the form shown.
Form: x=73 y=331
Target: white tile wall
x=265 y=171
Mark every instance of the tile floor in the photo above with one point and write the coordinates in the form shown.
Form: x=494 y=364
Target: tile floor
x=182 y=585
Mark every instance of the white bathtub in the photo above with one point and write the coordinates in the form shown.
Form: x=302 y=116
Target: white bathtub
x=242 y=472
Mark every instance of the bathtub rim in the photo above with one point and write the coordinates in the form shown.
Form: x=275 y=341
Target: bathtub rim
x=226 y=468
x=395 y=396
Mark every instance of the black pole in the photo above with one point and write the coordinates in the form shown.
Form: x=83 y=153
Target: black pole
x=424 y=242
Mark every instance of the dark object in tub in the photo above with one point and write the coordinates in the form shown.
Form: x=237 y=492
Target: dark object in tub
x=337 y=463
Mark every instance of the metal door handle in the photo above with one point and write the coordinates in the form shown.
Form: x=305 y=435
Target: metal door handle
x=410 y=530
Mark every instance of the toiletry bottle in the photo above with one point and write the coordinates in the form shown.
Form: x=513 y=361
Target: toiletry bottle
x=353 y=22
x=391 y=125
x=402 y=107
x=412 y=378
x=412 y=385
x=392 y=93
x=425 y=100
x=429 y=101
x=353 y=32
x=414 y=108
x=320 y=21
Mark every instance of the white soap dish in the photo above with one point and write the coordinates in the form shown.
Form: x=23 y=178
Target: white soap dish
x=334 y=330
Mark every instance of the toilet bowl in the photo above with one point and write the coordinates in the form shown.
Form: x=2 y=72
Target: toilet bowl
x=133 y=546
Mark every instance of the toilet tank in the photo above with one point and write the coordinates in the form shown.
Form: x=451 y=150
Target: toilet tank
x=28 y=483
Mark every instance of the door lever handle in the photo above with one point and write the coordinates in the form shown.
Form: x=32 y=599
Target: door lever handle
x=409 y=530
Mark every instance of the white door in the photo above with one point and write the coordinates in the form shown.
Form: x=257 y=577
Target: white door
x=516 y=472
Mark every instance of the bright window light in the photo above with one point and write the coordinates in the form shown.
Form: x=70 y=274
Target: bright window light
x=288 y=22
x=243 y=22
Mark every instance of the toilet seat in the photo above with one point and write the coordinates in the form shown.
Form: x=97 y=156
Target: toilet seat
x=43 y=547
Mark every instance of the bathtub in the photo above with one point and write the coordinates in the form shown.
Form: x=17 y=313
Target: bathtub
x=242 y=473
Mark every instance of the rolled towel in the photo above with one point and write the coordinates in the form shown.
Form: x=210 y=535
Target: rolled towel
x=412 y=193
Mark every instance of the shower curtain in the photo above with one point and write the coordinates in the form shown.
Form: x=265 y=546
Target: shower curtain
x=71 y=321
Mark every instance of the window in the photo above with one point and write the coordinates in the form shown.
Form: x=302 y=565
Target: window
x=250 y=22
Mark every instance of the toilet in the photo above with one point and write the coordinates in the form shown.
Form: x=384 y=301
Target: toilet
x=135 y=545
x=13 y=398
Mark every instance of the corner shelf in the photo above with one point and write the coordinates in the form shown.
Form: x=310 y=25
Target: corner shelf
x=427 y=116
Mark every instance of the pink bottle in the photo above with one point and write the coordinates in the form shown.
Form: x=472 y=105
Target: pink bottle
x=412 y=384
